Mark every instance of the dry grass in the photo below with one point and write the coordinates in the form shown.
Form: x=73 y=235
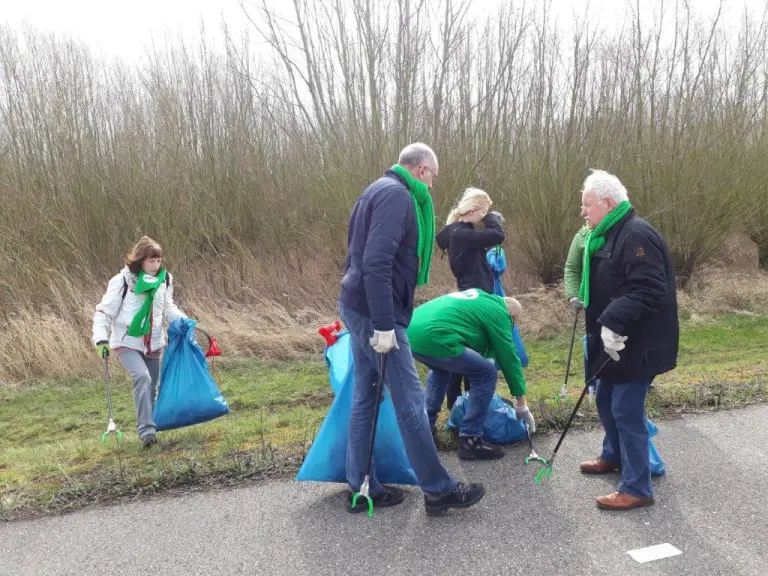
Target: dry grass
x=282 y=323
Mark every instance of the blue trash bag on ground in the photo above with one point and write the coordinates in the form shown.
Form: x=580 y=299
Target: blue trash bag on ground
x=188 y=395
x=326 y=459
x=657 y=464
x=501 y=423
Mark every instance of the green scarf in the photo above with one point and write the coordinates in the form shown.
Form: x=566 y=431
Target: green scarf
x=595 y=240
x=425 y=217
x=147 y=284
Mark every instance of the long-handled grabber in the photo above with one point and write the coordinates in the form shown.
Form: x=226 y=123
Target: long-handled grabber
x=111 y=426
x=366 y=485
x=564 y=389
x=532 y=457
x=547 y=471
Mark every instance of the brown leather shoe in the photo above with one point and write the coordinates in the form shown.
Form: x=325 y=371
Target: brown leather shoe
x=621 y=501
x=598 y=466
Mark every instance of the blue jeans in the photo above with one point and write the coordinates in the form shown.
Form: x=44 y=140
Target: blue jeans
x=621 y=407
x=404 y=386
x=483 y=375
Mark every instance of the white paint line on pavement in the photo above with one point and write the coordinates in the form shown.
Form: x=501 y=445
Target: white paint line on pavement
x=651 y=553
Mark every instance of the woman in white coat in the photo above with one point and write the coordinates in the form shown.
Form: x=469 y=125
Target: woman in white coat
x=129 y=322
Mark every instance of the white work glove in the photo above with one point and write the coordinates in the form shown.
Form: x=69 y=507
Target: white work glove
x=383 y=341
x=576 y=304
x=612 y=342
x=524 y=413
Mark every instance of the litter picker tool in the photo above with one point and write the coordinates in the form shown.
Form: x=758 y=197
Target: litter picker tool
x=564 y=389
x=111 y=428
x=365 y=487
x=547 y=470
x=330 y=333
x=532 y=457
x=213 y=345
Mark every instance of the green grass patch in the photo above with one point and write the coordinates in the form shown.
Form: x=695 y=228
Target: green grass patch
x=52 y=459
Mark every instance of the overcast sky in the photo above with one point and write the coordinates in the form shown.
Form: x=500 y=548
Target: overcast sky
x=123 y=29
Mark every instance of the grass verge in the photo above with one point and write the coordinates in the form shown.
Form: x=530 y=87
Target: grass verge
x=52 y=460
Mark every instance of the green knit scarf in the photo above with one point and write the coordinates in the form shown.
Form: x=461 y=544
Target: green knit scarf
x=595 y=240
x=147 y=284
x=425 y=217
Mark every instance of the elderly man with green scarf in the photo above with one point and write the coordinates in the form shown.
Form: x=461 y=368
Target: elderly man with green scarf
x=628 y=291
x=389 y=251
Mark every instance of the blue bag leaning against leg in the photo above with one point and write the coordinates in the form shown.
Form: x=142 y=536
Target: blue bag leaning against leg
x=188 y=395
x=326 y=459
x=657 y=464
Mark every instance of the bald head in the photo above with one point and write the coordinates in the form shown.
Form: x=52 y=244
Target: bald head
x=514 y=307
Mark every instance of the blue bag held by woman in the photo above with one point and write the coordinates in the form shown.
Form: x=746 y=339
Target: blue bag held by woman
x=188 y=395
x=498 y=263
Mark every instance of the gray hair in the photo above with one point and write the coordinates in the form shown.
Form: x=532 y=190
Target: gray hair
x=416 y=154
x=605 y=185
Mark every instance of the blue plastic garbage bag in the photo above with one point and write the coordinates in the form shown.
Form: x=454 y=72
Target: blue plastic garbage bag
x=519 y=346
x=501 y=423
x=188 y=395
x=326 y=459
x=517 y=340
x=498 y=263
x=657 y=464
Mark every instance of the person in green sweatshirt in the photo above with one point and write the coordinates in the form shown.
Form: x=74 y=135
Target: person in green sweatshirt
x=460 y=333
x=573 y=267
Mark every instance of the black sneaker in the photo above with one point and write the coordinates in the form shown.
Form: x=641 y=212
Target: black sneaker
x=476 y=448
x=464 y=496
x=390 y=496
x=148 y=440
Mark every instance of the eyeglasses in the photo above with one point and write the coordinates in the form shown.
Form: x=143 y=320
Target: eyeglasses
x=434 y=176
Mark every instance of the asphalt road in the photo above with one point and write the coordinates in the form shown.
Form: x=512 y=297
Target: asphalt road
x=712 y=505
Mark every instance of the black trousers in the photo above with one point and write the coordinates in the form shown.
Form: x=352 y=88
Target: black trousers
x=454 y=388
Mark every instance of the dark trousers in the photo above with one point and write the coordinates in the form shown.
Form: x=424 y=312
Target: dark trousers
x=454 y=388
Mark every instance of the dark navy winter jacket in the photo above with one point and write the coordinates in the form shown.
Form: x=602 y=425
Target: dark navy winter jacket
x=380 y=273
x=632 y=292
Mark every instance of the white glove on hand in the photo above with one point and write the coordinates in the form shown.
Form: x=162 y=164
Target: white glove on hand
x=576 y=304
x=524 y=413
x=612 y=342
x=383 y=341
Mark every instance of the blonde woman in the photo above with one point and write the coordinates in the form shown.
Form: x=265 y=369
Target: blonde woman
x=467 y=247
x=466 y=244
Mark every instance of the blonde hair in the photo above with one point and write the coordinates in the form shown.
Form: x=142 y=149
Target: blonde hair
x=143 y=249
x=514 y=307
x=472 y=199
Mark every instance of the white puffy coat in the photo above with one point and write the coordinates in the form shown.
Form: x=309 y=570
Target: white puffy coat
x=115 y=313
